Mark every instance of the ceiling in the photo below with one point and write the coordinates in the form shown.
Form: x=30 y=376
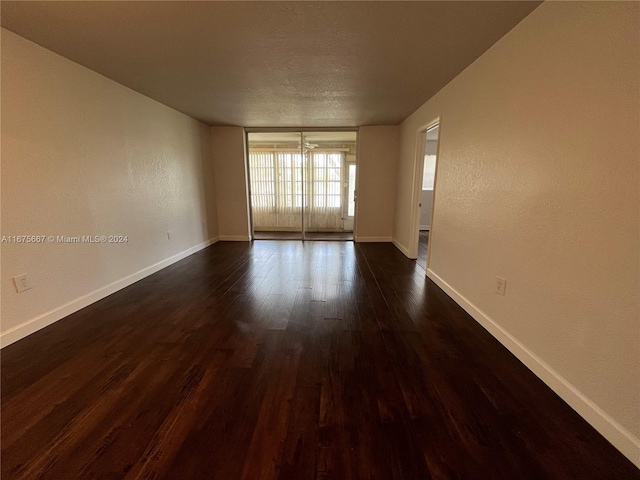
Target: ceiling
x=273 y=64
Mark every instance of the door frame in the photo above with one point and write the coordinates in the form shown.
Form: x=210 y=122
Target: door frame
x=414 y=232
x=301 y=130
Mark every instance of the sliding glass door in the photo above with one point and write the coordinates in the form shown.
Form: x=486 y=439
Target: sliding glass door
x=302 y=184
x=276 y=184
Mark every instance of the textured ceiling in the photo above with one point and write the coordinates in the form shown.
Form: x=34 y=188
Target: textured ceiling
x=273 y=63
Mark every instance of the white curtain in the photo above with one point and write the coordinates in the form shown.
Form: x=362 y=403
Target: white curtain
x=325 y=191
x=277 y=190
x=289 y=190
x=263 y=198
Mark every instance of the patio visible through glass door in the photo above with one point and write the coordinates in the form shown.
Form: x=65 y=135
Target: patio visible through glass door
x=302 y=184
x=328 y=157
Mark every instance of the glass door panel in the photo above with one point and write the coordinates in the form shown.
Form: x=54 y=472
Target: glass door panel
x=276 y=184
x=302 y=184
x=327 y=157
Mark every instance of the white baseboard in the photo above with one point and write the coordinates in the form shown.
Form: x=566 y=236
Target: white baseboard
x=372 y=239
x=425 y=227
x=31 y=326
x=401 y=247
x=619 y=436
x=235 y=238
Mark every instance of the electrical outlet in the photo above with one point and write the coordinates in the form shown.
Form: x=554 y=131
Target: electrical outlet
x=22 y=282
x=501 y=286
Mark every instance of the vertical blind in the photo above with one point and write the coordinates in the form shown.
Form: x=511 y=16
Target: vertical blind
x=277 y=189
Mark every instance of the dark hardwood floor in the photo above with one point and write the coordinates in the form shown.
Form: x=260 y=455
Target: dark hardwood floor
x=327 y=360
x=423 y=242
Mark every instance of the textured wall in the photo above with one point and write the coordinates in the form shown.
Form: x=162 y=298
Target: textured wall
x=538 y=182
x=376 y=177
x=83 y=155
x=231 y=182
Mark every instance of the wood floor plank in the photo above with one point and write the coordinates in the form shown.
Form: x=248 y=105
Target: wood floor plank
x=285 y=360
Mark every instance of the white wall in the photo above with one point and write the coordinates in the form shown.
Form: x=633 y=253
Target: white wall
x=231 y=182
x=83 y=155
x=538 y=182
x=376 y=178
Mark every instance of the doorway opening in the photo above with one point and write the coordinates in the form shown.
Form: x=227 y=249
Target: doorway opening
x=428 y=155
x=302 y=184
